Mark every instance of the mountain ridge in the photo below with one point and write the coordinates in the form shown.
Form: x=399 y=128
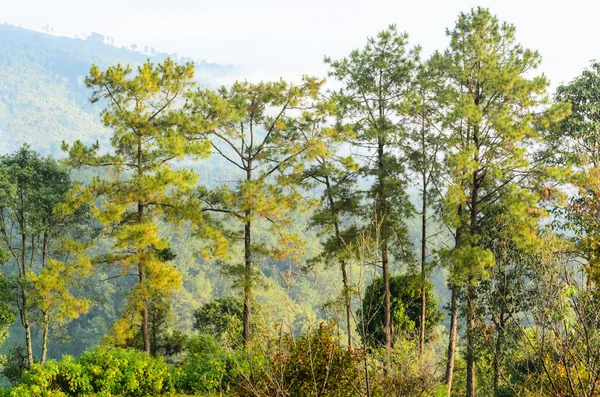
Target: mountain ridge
x=43 y=99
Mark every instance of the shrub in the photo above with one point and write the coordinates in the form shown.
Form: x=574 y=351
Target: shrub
x=314 y=364
x=209 y=367
x=102 y=372
x=221 y=318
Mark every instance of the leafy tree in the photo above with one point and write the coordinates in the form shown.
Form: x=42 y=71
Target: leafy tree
x=139 y=185
x=264 y=130
x=221 y=318
x=577 y=141
x=377 y=83
x=406 y=309
x=36 y=234
x=7 y=312
x=493 y=113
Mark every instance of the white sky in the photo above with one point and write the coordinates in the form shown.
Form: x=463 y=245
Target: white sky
x=274 y=38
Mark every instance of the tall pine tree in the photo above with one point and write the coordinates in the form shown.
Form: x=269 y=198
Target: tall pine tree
x=377 y=84
x=494 y=113
x=264 y=131
x=138 y=185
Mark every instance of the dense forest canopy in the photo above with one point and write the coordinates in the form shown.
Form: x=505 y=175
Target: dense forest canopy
x=422 y=226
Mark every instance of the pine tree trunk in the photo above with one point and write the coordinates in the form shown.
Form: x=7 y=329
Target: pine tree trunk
x=27 y=327
x=423 y=266
x=247 y=267
x=382 y=216
x=471 y=342
x=154 y=332
x=45 y=318
x=145 y=315
x=142 y=266
x=44 y=338
x=471 y=292
x=348 y=303
x=453 y=316
x=247 y=280
x=386 y=304
x=452 y=339
x=347 y=294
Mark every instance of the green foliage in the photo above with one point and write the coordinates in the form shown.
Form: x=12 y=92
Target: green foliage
x=405 y=309
x=577 y=138
x=267 y=131
x=221 y=319
x=7 y=311
x=209 y=367
x=100 y=372
x=472 y=129
x=45 y=244
x=376 y=97
x=43 y=99
x=150 y=131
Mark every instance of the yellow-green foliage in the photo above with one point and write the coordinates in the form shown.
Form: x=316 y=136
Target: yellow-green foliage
x=99 y=373
x=150 y=130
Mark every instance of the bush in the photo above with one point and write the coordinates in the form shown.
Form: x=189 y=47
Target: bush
x=221 y=318
x=208 y=367
x=100 y=372
x=313 y=364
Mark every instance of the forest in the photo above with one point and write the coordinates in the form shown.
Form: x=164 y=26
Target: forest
x=404 y=226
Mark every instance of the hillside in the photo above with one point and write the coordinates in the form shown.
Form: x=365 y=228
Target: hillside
x=43 y=100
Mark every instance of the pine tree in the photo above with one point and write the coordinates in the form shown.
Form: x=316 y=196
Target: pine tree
x=493 y=113
x=266 y=131
x=339 y=209
x=138 y=185
x=423 y=152
x=377 y=84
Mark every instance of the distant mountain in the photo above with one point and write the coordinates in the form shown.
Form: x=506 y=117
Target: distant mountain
x=43 y=100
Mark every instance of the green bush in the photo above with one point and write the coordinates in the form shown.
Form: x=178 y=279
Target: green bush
x=102 y=372
x=209 y=367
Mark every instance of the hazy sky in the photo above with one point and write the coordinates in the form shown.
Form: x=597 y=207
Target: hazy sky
x=289 y=38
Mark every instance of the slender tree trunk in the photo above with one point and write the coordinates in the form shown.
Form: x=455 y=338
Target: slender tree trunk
x=343 y=266
x=347 y=302
x=423 y=266
x=471 y=298
x=471 y=292
x=386 y=303
x=145 y=314
x=471 y=341
x=25 y=322
x=155 y=325
x=247 y=268
x=45 y=318
x=45 y=332
x=497 y=352
x=453 y=336
x=382 y=223
x=452 y=339
x=141 y=266
x=24 y=311
x=247 y=280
